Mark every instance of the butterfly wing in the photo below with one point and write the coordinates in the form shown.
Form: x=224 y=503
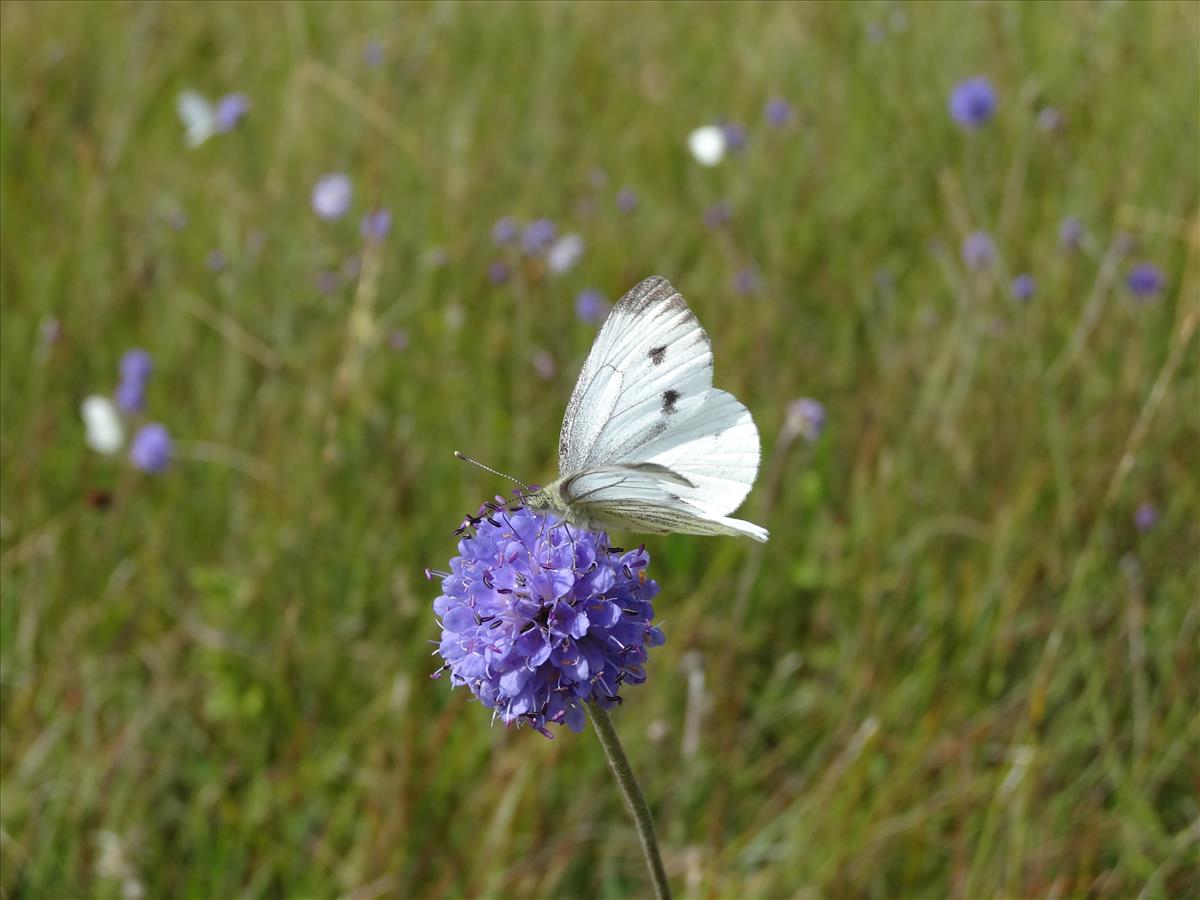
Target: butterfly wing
x=198 y=116
x=645 y=395
x=645 y=497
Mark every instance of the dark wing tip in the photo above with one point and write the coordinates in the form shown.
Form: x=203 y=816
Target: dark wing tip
x=646 y=293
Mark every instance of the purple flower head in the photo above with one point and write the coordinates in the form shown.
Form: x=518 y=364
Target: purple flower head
x=627 y=200
x=372 y=54
x=746 y=281
x=718 y=215
x=51 y=331
x=538 y=236
x=1146 y=281
x=778 y=112
x=735 y=136
x=327 y=281
x=504 y=231
x=130 y=395
x=215 y=260
x=973 y=102
x=1145 y=517
x=331 y=196
x=1049 y=119
x=498 y=272
x=1070 y=233
x=805 y=418
x=230 y=111
x=398 y=339
x=150 y=449
x=136 y=365
x=376 y=224
x=544 y=365
x=1023 y=287
x=590 y=306
x=539 y=618
x=978 y=251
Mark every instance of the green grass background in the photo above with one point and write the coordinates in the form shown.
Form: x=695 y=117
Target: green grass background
x=956 y=669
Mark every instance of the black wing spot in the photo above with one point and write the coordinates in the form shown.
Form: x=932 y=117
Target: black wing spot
x=669 y=398
x=657 y=353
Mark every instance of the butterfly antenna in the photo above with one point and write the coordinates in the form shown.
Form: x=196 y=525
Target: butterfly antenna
x=475 y=462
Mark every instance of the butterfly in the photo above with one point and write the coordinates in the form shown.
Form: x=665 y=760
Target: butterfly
x=647 y=443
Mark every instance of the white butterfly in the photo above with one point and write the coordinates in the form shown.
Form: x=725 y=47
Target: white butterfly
x=199 y=117
x=648 y=444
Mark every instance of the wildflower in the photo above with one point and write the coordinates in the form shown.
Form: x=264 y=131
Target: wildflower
x=498 y=272
x=777 y=112
x=376 y=224
x=331 y=196
x=1070 y=233
x=538 y=235
x=150 y=449
x=745 y=281
x=718 y=215
x=327 y=281
x=1146 y=280
x=973 y=102
x=230 y=111
x=372 y=54
x=398 y=339
x=1023 y=286
x=544 y=365
x=504 y=231
x=735 y=136
x=136 y=365
x=1049 y=119
x=590 y=306
x=215 y=261
x=978 y=251
x=539 y=618
x=805 y=418
x=707 y=144
x=564 y=253
x=51 y=331
x=627 y=200
x=104 y=432
x=1145 y=517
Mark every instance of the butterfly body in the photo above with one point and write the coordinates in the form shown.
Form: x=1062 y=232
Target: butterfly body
x=647 y=443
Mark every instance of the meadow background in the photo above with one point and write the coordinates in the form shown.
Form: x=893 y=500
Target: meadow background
x=964 y=664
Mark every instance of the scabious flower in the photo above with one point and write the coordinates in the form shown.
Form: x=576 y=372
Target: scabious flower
x=718 y=215
x=590 y=306
x=735 y=136
x=538 y=235
x=564 y=253
x=136 y=367
x=707 y=144
x=230 y=111
x=372 y=54
x=1146 y=280
x=745 y=280
x=978 y=251
x=498 y=272
x=1145 y=517
x=504 y=231
x=215 y=260
x=150 y=450
x=376 y=224
x=777 y=112
x=805 y=418
x=1070 y=233
x=627 y=200
x=1023 y=287
x=539 y=618
x=973 y=102
x=331 y=196
x=544 y=365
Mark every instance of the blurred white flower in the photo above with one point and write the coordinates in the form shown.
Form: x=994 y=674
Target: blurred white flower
x=105 y=433
x=564 y=253
x=708 y=144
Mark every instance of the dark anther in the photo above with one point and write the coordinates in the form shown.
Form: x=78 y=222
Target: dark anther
x=503 y=590
x=628 y=571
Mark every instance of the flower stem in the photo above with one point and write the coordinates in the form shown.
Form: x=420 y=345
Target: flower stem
x=619 y=763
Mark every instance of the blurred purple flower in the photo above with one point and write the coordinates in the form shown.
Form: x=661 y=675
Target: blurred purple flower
x=1023 y=286
x=1070 y=233
x=51 y=331
x=627 y=200
x=498 y=272
x=591 y=306
x=136 y=365
x=973 y=102
x=373 y=54
x=215 y=260
x=1145 y=517
x=544 y=365
x=1049 y=119
x=327 y=281
x=538 y=236
x=735 y=136
x=398 y=339
x=978 y=251
x=150 y=450
x=376 y=224
x=331 y=196
x=778 y=111
x=805 y=418
x=177 y=219
x=130 y=395
x=564 y=253
x=718 y=215
x=504 y=231
x=230 y=111
x=351 y=267
x=746 y=281
x=1146 y=280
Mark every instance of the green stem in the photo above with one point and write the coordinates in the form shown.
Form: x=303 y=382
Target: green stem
x=619 y=763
